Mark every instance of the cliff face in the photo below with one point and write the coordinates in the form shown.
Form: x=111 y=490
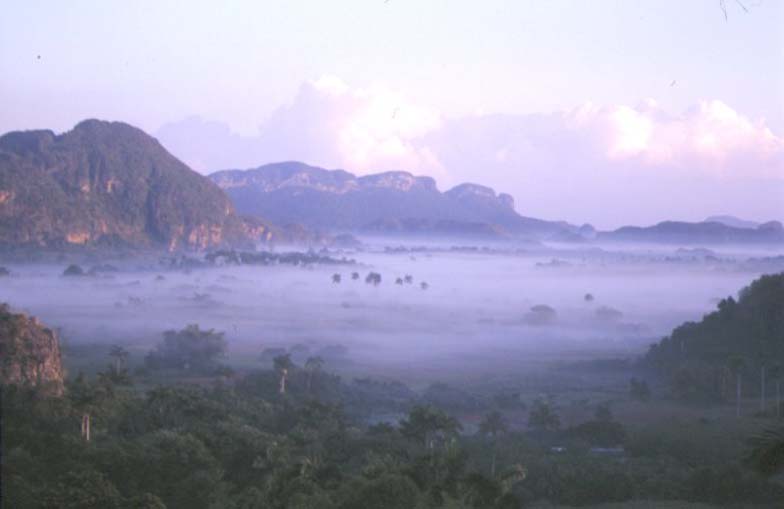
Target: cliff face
x=107 y=183
x=292 y=192
x=29 y=353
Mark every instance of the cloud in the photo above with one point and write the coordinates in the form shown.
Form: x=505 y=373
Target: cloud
x=328 y=124
x=565 y=164
x=710 y=137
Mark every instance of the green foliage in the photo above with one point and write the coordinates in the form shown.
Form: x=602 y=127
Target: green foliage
x=767 y=453
x=737 y=339
x=426 y=424
x=82 y=490
x=603 y=413
x=112 y=182
x=73 y=270
x=493 y=424
x=542 y=417
x=190 y=348
x=639 y=390
x=390 y=491
x=242 y=446
x=601 y=433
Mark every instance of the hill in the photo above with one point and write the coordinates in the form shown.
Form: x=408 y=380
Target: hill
x=732 y=221
x=679 y=232
x=293 y=192
x=107 y=184
x=744 y=335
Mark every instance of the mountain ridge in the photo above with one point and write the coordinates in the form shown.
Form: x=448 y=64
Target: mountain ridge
x=291 y=191
x=705 y=232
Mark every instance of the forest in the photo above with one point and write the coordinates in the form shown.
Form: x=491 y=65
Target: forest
x=180 y=428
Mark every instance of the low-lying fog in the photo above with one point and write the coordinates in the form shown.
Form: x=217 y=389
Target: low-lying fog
x=482 y=310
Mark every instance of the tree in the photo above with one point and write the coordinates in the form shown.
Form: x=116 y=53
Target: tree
x=336 y=278
x=542 y=417
x=603 y=413
x=763 y=366
x=373 y=278
x=282 y=365
x=776 y=373
x=389 y=491
x=639 y=390
x=493 y=425
x=736 y=365
x=313 y=365
x=355 y=275
x=178 y=467
x=84 y=489
x=191 y=348
x=119 y=354
x=426 y=423
x=767 y=454
x=87 y=398
x=73 y=270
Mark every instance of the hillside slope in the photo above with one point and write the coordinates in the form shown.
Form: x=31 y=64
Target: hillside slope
x=107 y=183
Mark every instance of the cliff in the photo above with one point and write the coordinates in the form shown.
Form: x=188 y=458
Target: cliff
x=107 y=184
x=29 y=353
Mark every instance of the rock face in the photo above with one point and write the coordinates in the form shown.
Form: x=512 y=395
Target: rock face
x=293 y=192
x=29 y=353
x=107 y=183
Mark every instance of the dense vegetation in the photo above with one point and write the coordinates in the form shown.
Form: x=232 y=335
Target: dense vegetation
x=180 y=429
x=737 y=350
x=230 y=441
x=107 y=184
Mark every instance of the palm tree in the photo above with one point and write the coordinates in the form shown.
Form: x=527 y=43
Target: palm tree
x=762 y=385
x=776 y=372
x=425 y=423
x=493 y=425
x=312 y=366
x=119 y=354
x=87 y=399
x=282 y=365
x=542 y=417
x=736 y=365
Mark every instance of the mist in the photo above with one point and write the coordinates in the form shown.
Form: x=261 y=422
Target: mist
x=484 y=309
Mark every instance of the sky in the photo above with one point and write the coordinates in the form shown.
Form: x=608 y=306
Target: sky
x=608 y=112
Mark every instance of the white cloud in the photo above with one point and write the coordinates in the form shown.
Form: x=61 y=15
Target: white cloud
x=562 y=164
x=710 y=137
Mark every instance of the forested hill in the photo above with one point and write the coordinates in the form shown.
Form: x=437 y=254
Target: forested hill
x=107 y=184
x=744 y=335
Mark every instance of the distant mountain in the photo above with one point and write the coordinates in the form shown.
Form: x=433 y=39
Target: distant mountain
x=732 y=221
x=397 y=202
x=435 y=228
x=108 y=184
x=677 y=232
